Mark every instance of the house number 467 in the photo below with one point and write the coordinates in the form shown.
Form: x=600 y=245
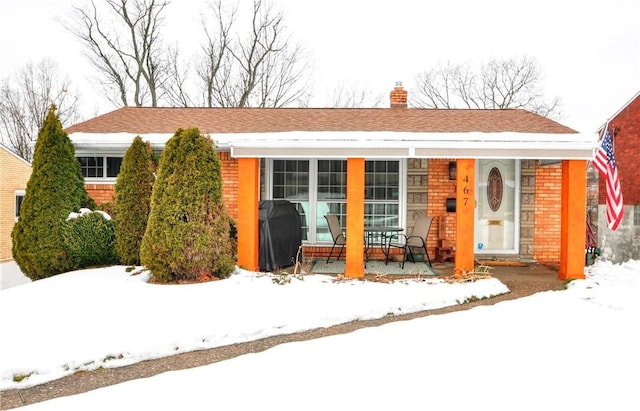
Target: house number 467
x=465 y=190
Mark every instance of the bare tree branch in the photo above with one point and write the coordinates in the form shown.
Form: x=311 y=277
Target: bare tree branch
x=257 y=68
x=125 y=48
x=501 y=84
x=215 y=52
x=176 y=87
x=25 y=99
x=354 y=95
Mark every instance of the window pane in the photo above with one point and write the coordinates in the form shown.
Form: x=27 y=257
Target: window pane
x=113 y=166
x=323 y=208
x=382 y=188
x=19 y=198
x=291 y=182
x=383 y=181
x=91 y=166
x=332 y=181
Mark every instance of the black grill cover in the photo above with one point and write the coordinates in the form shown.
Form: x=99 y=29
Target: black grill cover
x=280 y=234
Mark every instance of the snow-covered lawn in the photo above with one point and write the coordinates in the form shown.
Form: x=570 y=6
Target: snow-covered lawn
x=573 y=349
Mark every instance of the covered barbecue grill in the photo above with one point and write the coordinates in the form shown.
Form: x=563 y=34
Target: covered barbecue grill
x=280 y=233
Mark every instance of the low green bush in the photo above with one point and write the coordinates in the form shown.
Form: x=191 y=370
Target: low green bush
x=89 y=239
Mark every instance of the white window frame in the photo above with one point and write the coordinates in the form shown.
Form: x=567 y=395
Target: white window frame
x=104 y=156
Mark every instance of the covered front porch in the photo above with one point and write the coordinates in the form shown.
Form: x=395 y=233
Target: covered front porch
x=463 y=149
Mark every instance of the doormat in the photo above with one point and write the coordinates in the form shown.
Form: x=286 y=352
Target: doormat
x=505 y=263
x=374 y=267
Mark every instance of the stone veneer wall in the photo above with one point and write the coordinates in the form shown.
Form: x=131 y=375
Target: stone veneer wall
x=527 y=208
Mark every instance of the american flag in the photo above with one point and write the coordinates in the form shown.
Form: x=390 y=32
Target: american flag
x=605 y=163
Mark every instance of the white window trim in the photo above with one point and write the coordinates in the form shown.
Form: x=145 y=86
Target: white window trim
x=100 y=180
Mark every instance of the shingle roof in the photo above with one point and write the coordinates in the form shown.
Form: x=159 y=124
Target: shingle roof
x=145 y=120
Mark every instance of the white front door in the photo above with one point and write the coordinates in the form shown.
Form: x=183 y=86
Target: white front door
x=498 y=199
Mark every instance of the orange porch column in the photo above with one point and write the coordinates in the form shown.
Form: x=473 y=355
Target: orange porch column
x=573 y=224
x=465 y=214
x=354 y=260
x=247 y=224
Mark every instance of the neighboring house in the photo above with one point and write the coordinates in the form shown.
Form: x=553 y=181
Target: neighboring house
x=479 y=172
x=624 y=243
x=14 y=175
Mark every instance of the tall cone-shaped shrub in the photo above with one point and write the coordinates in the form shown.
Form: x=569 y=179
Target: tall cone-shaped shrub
x=55 y=189
x=133 y=201
x=187 y=236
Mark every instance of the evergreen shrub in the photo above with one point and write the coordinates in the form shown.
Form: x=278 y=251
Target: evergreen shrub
x=90 y=239
x=55 y=189
x=188 y=232
x=133 y=201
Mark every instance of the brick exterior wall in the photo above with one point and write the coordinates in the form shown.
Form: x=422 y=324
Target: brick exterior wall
x=440 y=188
x=624 y=243
x=101 y=193
x=230 y=183
x=428 y=187
x=548 y=198
x=105 y=193
x=626 y=127
x=15 y=174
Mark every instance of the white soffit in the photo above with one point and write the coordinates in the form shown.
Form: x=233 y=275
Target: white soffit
x=370 y=144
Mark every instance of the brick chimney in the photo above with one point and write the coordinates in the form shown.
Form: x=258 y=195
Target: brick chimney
x=398 y=96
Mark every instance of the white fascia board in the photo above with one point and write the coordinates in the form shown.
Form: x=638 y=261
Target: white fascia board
x=423 y=145
x=114 y=141
x=374 y=144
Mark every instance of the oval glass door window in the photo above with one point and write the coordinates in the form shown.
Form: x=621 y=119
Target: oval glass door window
x=495 y=189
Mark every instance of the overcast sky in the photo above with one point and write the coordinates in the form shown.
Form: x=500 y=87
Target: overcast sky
x=589 y=50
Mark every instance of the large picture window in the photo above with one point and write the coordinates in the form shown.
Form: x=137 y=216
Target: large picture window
x=319 y=187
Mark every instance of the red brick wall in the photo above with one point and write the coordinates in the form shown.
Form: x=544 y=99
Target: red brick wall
x=105 y=193
x=230 y=183
x=627 y=151
x=440 y=188
x=546 y=237
x=547 y=209
x=101 y=193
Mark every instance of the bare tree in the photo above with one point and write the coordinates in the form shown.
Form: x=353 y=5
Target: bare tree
x=256 y=67
x=176 y=86
x=25 y=99
x=123 y=42
x=354 y=95
x=214 y=66
x=500 y=84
